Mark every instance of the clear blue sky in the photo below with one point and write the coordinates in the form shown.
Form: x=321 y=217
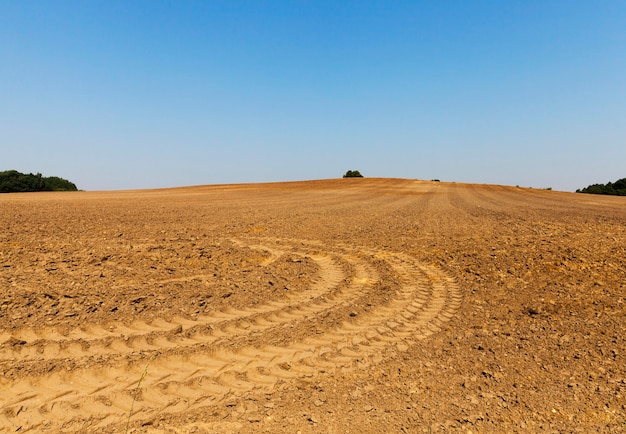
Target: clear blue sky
x=141 y=94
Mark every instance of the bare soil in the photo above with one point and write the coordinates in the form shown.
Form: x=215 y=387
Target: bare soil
x=334 y=306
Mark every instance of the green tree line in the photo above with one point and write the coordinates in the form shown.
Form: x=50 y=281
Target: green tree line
x=617 y=188
x=12 y=181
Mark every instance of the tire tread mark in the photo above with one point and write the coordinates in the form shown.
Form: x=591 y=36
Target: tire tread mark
x=425 y=300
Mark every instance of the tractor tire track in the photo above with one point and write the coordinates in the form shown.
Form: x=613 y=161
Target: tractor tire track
x=50 y=344
x=199 y=368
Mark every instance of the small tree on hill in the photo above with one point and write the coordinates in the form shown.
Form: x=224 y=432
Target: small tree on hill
x=353 y=174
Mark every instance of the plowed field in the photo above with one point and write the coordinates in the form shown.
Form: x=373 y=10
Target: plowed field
x=335 y=306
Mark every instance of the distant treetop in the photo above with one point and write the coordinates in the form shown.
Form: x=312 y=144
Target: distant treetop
x=12 y=181
x=617 y=188
x=353 y=174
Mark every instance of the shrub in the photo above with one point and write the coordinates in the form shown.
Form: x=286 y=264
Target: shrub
x=353 y=174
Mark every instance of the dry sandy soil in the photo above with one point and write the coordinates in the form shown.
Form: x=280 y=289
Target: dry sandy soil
x=335 y=306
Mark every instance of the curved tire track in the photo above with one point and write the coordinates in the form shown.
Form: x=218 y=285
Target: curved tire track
x=185 y=364
x=49 y=344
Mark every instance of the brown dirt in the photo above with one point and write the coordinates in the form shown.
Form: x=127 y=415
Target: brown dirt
x=336 y=306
